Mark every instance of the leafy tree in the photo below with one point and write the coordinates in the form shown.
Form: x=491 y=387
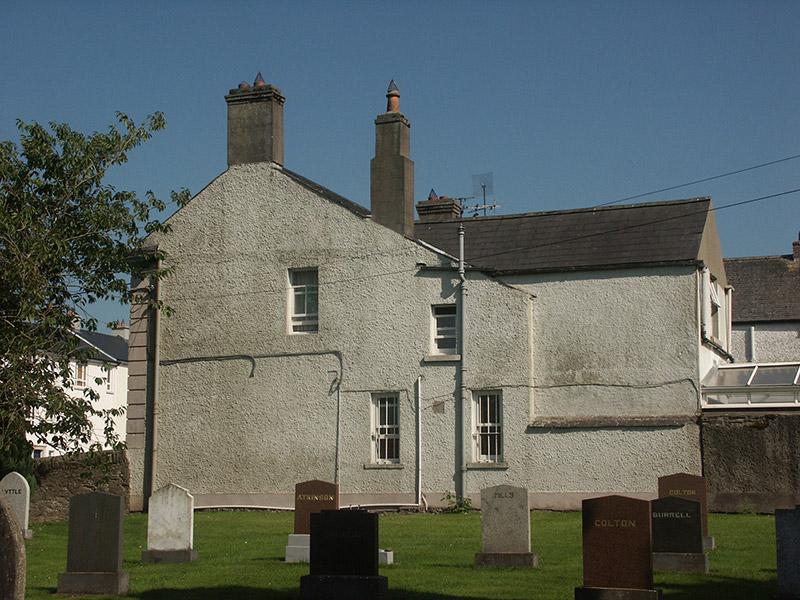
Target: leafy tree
x=66 y=240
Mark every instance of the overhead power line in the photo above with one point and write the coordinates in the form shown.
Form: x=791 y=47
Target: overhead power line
x=675 y=187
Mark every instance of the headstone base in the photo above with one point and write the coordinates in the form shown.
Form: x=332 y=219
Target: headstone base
x=690 y=562
x=344 y=587
x=527 y=560
x=298 y=548
x=589 y=593
x=709 y=543
x=93 y=583
x=173 y=557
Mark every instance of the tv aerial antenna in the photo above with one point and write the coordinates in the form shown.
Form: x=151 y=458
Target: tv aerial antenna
x=482 y=185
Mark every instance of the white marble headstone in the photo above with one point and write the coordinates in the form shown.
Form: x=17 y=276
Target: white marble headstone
x=170 y=521
x=17 y=491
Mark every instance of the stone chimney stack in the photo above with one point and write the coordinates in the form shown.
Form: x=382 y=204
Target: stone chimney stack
x=392 y=171
x=255 y=123
x=796 y=250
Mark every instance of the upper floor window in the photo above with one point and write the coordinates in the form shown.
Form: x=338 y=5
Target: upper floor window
x=80 y=375
x=444 y=329
x=109 y=380
x=303 y=295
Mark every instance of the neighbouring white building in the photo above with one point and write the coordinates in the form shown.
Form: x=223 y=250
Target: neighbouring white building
x=106 y=372
x=315 y=339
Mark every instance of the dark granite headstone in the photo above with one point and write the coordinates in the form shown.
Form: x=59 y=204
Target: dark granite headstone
x=12 y=554
x=344 y=557
x=617 y=549
x=677 y=525
x=678 y=535
x=313 y=497
x=94 y=546
x=689 y=486
x=787 y=542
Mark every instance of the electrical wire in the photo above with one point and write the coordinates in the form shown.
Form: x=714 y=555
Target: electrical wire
x=675 y=187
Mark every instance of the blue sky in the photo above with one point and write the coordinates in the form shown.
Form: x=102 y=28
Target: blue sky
x=567 y=104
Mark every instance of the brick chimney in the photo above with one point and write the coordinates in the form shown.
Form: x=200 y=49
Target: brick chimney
x=796 y=250
x=438 y=208
x=392 y=171
x=255 y=123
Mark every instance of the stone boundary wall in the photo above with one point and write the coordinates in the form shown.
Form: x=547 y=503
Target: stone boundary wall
x=751 y=460
x=61 y=477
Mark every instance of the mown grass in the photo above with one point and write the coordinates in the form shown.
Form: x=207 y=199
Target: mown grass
x=241 y=556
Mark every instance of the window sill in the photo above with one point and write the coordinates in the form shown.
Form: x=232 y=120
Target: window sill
x=379 y=466
x=442 y=358
x=488 y=466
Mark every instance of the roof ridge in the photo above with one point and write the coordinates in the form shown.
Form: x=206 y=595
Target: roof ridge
x=584 y=210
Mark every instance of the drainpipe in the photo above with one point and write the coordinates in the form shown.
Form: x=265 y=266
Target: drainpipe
x=151 y=403
x=419 y=440
x=460 y=310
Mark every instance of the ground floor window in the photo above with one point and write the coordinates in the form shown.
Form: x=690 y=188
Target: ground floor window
x=386 y=428
x=488 y=431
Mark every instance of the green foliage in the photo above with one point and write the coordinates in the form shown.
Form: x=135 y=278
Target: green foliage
x=66 y=240
x=457 y=504
x=18 y=456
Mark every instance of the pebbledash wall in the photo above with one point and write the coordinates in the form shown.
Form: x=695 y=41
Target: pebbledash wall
x=258 y=409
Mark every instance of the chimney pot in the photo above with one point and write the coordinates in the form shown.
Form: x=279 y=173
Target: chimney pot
x=244 y=85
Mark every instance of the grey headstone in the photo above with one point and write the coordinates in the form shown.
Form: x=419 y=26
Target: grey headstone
x=505 y=528
x=12 y=554
x=17 y=491
x=787 y=541
x=94 y=546
x=505 y=519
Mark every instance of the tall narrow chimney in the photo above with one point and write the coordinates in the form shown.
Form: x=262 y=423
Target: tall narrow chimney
x=392 y=171
x=255 y=123
x=796 y=250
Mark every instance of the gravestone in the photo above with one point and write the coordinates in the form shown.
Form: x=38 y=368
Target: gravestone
x=309 y=497
x=505 y=528
x=787 y=542
x=678 y=535
x=617 y=550
x=344 y=557
x=94 y=546
x=12 y=554
x=170 y=526
x=18 y=493
x=693 y=487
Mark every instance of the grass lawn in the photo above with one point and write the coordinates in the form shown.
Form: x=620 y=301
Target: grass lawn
x=241 y=557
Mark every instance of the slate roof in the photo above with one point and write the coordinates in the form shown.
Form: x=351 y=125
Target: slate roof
x=589 y=238
x=765 y=288
x=109 y=348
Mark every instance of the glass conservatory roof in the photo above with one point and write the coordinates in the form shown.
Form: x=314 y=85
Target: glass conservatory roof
x=762 y=385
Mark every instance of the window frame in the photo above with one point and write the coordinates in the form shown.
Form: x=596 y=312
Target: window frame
x=81 y=372
x=385 y=434
x=441 y=332
x=484 y=430
x=302 y=322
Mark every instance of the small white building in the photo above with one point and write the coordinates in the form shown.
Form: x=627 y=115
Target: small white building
x=106 y=372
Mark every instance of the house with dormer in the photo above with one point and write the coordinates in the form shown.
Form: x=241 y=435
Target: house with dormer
x=402 y=358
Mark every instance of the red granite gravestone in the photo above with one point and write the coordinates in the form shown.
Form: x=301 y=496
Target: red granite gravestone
x=692 y=487
x=312 y=497
x=617 y=549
